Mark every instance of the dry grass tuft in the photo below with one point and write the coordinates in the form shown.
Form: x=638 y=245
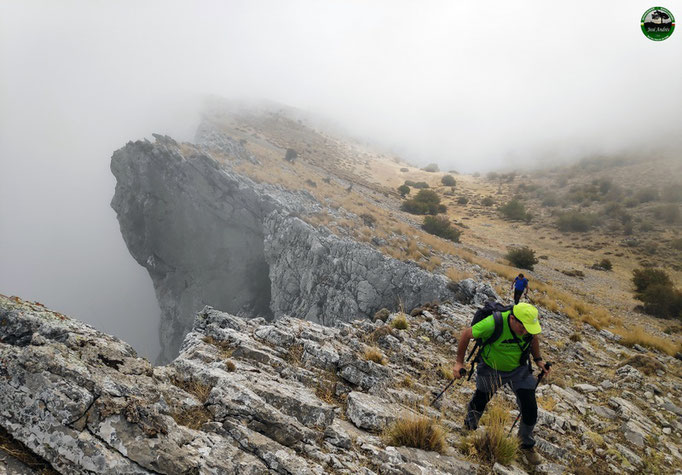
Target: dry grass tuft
x=192 y=418
x=455 y=275
x=10 y=446
x=400 y=322
x=647 y=364
x=230 y=366
x=416 y=431
x=407 y=382
x=380 y=332
x=548 y=403
x=225 y=348
x=192 y=386
x=325 y=388
x=373 y=353
x=493 y=444
x=446 y=372
x=295 y=354
x=638 y=335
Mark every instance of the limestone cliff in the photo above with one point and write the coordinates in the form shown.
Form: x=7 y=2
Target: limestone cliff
x=210 y=236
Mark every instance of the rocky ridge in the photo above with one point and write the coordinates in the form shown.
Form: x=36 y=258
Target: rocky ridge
x=292 y=396
x=210 y=236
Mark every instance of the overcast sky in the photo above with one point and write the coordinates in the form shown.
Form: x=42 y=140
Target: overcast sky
x=471 y=85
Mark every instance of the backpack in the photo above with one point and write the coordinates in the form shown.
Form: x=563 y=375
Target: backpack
x=495 y=309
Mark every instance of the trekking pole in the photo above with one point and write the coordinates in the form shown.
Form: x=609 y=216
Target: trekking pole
x=547 y=365
x=462 y=373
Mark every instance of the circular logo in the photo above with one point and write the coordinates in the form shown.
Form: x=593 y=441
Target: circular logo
x=658 y=23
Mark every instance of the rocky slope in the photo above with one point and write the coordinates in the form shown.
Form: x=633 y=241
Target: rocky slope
x=210 y=236
x=292 y=396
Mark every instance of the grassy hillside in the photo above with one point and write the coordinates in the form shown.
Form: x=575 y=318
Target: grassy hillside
x=625 y=210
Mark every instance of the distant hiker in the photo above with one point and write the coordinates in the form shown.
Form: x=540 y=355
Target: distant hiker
x=506 y=360
x=518 y=286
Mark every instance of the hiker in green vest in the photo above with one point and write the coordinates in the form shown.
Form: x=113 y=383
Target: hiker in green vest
x=506 y=360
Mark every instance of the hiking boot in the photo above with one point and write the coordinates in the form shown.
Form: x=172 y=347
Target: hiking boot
x=531 y=456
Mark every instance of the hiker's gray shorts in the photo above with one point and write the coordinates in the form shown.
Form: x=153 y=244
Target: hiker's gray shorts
x=489 y=380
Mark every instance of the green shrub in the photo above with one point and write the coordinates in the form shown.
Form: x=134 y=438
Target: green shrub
x=404 y=190
x=400 y=322
x=448 y=180
x=514 y=210
x=431 y=167
x=661 y=301
x=668 y=213
x=440 y=226
x=417 y=184
x=487 y=201
x=462 y=200
x=425 y=202
x=645 y=195
x=604 y=264
x=291 y=155
x=672 y=193
x=404 y=169
x=576 y=221
x=643 y=278
x=522 y=257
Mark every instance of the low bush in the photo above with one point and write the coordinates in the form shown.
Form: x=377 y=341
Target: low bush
x=416 y=431
x=382 y=314
x=425 y=202
x=448 y=180
x=400 y=322
x=514 y=210
x=404 y=169
x=645 y=195
x=417 y=184
x=654 y=288
x=440 y=226
x=575 y=221
x=643 y=278
x=604 y=264
x=522 y=257
x=487 y=201
x=462 y=200
x=404 y=190
x=676 y=244
x=672 y=193
x=431 y=167
x=668 y=213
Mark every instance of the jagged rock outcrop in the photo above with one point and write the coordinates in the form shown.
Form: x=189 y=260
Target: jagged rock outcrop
x=252 y=396
x=323 y=278
x=209 y=236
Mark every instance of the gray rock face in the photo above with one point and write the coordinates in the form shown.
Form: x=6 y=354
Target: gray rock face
x=237 y=400
x=323 y=278
x=209 y=236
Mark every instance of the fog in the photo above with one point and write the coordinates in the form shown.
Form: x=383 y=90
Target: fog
x=473 y=86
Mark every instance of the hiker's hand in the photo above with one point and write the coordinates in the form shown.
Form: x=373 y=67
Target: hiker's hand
x=543 y=368
x=457 y=370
